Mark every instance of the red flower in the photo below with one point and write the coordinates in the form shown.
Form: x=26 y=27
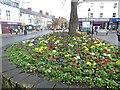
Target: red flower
x=96 y=60
x=87 y=53
x=22 y=46
x=78 y=50
x=50 y=57
x=74 y=60
x=107 y=60
x=117 y=52
x=37 y=55
x=108 y=52
x=51 y=44
x=97 y=75
x=113 y=68
x=111 y=72
x=54 y=59
x=40 y=53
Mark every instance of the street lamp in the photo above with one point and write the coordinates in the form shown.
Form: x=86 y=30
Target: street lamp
x=88 y=13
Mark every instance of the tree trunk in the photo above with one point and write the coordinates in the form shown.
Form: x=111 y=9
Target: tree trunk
x=73 y=19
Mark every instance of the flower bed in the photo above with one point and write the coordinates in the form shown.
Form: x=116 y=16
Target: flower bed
x=83 y=59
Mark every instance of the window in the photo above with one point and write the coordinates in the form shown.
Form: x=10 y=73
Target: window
x=115 y=5
x=0 y=13
x=91 y=15
x=92 y=5
x=101 y=15
x=8 y=14
x=114 y=15
x=102 y=5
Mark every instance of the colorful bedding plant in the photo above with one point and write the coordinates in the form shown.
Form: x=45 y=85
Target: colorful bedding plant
x=69 y=59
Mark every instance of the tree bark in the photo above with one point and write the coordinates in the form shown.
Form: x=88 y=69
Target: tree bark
x=73 y=19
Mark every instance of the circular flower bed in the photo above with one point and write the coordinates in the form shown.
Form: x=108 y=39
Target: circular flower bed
x=69 y=59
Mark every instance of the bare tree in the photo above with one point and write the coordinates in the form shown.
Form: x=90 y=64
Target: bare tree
x=73 y=16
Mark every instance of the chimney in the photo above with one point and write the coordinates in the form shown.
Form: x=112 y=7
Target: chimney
x=47 y=13
x=41 y=11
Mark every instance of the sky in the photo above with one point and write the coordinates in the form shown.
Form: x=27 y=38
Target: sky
x=54 y=7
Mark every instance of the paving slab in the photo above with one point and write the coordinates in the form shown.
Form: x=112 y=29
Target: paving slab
x=18 y=78
x=28 y=82
x=11 y=73
x=45 y=84
x=61 y=85
x=8 y=67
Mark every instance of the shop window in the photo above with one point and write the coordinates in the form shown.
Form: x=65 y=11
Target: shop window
x=114 y=15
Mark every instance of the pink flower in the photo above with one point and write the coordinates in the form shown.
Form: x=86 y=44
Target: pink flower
x=107 y=60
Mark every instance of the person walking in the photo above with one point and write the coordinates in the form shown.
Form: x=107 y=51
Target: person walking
x=11 y=30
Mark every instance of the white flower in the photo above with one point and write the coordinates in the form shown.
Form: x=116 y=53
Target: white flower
x=104 y=54
x=71 y=45
x=108 y=50
x=77 y=57
x=31 y=44
x=84 y=43
x=92 y=53
x=54 y=51
x=23 y=41
x=103 y=44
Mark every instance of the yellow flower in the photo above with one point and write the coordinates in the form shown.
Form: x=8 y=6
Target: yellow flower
x=100 y=44
x=101 y=49
x=79 y=32
x=86 y=49
x=76 y=43
x=92 y=46
x=68 y=55
x=56 y=47
x=111 y=46
x=94 y=63
x=40 y=38
x=97 y=45
x=118 y=62
x=36 y=49
x=105 y=47
x=89 y=63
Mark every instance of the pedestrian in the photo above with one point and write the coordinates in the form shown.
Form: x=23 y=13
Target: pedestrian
x=11 y=30
x=16 y=30
x=96 y=30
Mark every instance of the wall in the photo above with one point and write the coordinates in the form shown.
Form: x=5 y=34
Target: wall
x=14 y=12
x=107 y=11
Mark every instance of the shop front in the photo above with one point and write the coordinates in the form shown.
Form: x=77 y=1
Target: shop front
x=5 y=26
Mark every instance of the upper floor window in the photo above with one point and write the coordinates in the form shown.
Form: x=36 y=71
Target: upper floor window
x=0 y=13
x=91 y=15
x=8 y=14
x=92 y=5
x=114 y=15
x=101 y=15
x=115 y=5
x=102 y=5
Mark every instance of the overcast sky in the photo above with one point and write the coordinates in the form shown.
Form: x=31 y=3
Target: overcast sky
x=54 y=7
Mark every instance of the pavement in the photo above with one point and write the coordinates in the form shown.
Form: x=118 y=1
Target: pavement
x=110 y=38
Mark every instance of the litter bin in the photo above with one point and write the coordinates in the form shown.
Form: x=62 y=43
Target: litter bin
x=25 y=32
x=118 y=34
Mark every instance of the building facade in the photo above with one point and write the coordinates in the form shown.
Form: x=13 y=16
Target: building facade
x=102 y=13
x=9 y=15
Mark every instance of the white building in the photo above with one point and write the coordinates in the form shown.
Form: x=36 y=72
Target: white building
x=102 y=12
x=9 y=15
